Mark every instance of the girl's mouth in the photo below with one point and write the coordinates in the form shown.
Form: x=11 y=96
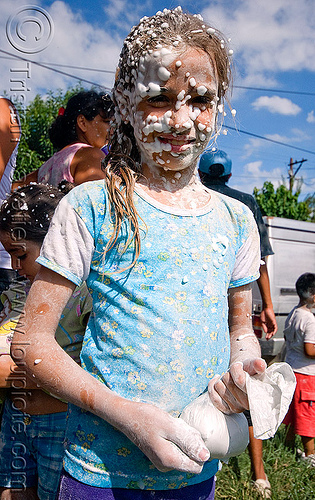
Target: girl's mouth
x=179 y=143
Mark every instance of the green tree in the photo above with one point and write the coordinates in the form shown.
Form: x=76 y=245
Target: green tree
x=35 y=147
x=310 y=201
x=281 y=202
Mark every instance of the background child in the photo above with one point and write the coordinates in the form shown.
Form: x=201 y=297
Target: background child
x=164 y=257
x=300 y=354
x=78 y=133
x=33 y=422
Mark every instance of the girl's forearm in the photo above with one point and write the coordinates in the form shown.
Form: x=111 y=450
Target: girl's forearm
x=228 y=392
x=244 y=343
x=35 y=349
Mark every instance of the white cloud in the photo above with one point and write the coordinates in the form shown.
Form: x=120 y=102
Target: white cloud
x=276 y=104
x=121 y=17
x=253 y=167
x=76 y=42
x=296 y=136
x=254 y=175
x=310 y=117
x=267 y=36
x=255 y=144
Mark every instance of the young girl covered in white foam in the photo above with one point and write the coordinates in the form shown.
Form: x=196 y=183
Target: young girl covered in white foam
x=169 y=264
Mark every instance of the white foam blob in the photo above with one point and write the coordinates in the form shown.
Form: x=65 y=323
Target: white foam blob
x=225 y=436
x=163 y=74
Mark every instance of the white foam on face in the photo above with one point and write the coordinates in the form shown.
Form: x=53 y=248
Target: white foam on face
x=152 y=74
x=163 y=74
x=153 y=89
x=194 y=112
x=201 y=90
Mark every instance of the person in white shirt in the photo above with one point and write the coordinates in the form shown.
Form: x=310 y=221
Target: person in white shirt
x=299 y=334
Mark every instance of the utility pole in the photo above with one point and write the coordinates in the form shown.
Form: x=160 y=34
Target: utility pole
x=293 y=174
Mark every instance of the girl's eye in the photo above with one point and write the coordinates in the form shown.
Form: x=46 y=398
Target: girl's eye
x=202 y=99
x=22 y=257
x=158 y=100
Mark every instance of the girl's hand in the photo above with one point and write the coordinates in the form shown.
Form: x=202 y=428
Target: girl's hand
x=168 y=442
x=228 y=393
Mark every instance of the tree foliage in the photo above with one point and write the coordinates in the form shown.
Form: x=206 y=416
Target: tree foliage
x=35 y=147
x=281 y=202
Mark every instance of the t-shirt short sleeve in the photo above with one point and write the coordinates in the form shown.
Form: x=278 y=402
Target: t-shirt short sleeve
x=247 y=263
x=309 y=335
x=68 y=246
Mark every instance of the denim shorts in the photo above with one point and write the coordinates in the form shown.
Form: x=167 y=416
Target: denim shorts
x=31 y=450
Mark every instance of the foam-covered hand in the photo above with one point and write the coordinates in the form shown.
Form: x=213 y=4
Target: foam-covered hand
x=170 y=443
x=228 y=393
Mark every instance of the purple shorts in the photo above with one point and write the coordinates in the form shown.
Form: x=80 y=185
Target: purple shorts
x=71 y=489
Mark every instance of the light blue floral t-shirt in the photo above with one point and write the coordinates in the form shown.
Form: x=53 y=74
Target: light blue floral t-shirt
x=158 y=332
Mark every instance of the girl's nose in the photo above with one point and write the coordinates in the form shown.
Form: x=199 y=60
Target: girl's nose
x=181 y=118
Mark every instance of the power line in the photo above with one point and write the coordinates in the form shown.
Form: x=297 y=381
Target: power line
x=270 y=140
x=253 y=176
x=274 y=90
x=67 y=66
x=55 y=70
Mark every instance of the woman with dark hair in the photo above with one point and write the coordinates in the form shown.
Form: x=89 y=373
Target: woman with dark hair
x=78 y=133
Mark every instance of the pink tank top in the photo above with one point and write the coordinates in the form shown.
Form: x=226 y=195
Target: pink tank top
x=57 y=168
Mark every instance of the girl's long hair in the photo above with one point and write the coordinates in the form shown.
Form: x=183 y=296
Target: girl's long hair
x=122 y=166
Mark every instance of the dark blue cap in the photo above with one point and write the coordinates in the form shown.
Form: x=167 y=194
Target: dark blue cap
x=216 y=157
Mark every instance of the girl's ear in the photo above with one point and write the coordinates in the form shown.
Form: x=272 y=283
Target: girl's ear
x=81 y=122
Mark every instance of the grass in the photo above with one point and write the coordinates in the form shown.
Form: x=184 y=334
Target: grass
x=290 y=479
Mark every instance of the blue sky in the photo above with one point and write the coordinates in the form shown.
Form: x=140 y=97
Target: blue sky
x=274 y=69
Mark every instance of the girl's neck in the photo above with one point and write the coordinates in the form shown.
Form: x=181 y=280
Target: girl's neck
x=182 y=189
